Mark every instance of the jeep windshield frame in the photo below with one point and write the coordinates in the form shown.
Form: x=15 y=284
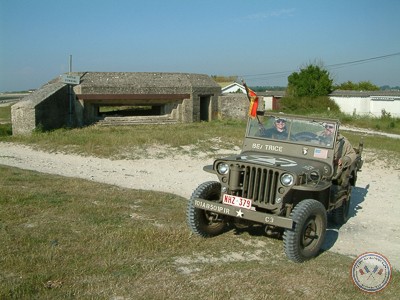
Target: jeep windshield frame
x=282 y=128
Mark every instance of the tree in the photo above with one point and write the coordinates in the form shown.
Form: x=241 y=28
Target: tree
x=367 y=86
x=311 y=81
x=347 y=86
x=361 y=86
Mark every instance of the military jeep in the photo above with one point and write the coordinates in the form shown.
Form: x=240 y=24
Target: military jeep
x=288 y=183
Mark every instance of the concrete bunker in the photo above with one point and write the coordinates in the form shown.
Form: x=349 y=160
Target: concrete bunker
x=140 y=97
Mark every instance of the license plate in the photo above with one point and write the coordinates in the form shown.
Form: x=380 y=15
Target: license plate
x=236 y=201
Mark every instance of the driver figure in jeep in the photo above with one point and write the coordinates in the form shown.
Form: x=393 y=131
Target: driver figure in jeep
x=278 y=131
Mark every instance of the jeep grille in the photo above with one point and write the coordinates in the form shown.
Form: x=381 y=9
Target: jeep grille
x=256 y=183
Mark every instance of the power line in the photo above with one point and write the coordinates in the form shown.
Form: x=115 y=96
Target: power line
x=362 y=60
x=282 y=74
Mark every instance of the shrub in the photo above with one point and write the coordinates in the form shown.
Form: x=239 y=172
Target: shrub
x=5 y=129
x=306 y=105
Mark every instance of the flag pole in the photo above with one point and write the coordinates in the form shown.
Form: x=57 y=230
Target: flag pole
x=247 y=90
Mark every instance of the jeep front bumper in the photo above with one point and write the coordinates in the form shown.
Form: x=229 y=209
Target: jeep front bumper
x=243 y=213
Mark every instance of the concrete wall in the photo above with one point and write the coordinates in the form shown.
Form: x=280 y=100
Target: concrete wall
x=47 y=108
x=236 y=106
x=172 y=109
x=388 y=104
x=353 y=105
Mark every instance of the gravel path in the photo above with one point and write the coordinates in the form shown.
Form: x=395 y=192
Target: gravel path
x=374 y=225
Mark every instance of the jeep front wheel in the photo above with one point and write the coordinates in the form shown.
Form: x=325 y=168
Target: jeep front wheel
x=202 y=222
x=305 y=240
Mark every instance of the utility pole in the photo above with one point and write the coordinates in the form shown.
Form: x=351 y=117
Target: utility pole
x=70 y=80
x=70 y=63
x=70 y=93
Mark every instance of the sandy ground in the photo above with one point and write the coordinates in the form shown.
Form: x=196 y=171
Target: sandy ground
x=374 y=225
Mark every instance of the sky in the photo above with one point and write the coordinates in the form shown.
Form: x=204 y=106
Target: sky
x=261 y=41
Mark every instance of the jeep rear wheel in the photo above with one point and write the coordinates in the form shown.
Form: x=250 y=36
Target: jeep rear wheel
x=305 y=240
x=202 y=222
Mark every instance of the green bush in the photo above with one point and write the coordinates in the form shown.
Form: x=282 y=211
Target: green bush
x=5 y=129
x=307 y=105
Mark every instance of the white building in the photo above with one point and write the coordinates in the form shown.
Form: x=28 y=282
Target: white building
x=233 y=88
x=368 y=102
x=372 y=103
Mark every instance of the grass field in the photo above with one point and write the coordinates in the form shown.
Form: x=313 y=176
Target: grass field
x=64 y=238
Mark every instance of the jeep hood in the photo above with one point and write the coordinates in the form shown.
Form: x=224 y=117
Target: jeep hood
x=294 y=165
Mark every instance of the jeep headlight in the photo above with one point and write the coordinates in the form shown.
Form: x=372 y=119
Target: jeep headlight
x=222 y=168
x=287 y=179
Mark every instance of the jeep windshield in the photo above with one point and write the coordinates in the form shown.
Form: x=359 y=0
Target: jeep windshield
x=292 y=129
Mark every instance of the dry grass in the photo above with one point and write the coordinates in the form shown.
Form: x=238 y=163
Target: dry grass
x=131 y=142
x=64 y=238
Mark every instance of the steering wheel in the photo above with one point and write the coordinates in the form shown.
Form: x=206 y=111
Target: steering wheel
x=306 y=136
